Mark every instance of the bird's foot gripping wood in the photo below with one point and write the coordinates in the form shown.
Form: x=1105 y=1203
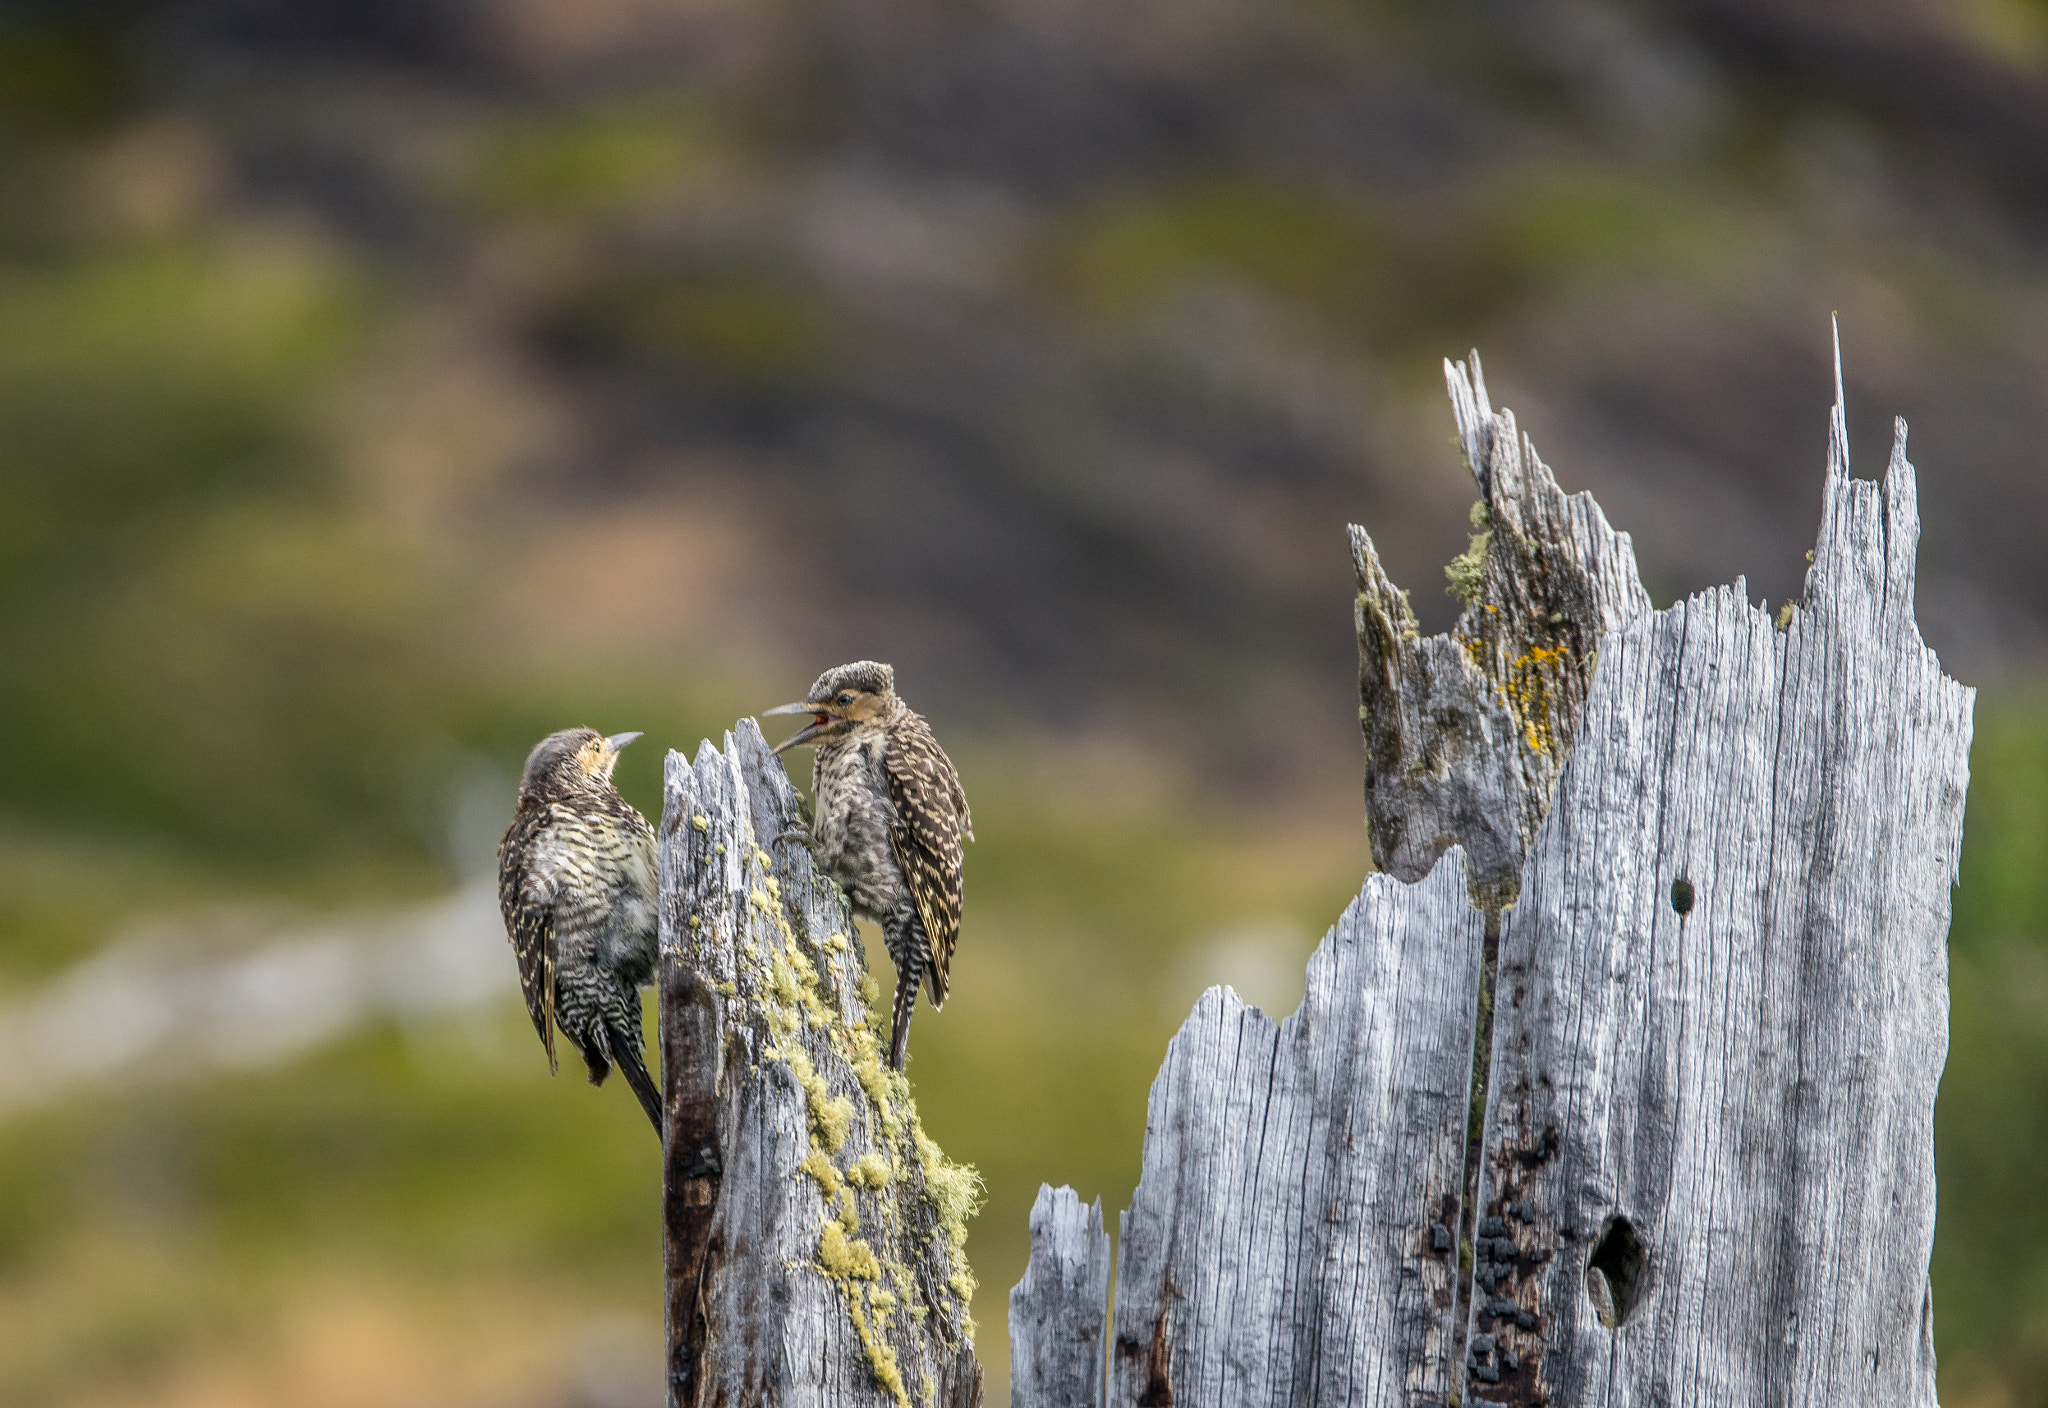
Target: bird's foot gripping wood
x=815 y=1235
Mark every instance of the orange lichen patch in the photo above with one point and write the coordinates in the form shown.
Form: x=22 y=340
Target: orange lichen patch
x=1528 y=691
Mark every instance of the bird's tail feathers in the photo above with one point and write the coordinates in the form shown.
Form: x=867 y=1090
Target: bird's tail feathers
x=627 y=1053
x=899 y=1030
x=597 y=1055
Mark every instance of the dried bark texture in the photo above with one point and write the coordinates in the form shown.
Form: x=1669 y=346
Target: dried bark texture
x=1705 y=1172
x=1059 y=1311
x=1722 y=1002
x=1283 y=1245
x=1465 y=733
x=815 y=1237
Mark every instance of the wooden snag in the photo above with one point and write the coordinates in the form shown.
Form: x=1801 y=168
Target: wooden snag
x=1291 y=1240
x=1723 y=1003
x=815 y=1237
x=1059 y=1311
x=1713 y=853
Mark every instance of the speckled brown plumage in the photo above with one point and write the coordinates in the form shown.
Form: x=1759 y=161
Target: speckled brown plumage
x=889 y=823
x=576 y=883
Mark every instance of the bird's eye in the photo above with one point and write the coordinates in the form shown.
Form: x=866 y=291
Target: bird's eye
x=846 y=698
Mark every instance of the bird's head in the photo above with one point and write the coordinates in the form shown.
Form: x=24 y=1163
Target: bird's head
x=574 y=759
x=843 y=698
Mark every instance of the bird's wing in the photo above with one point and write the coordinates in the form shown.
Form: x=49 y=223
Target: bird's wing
x=930 y=810
x=529 y=909
x=639 y=835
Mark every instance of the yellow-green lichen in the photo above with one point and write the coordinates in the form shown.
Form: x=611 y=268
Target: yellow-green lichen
x=909 y=1262
x=1785 y=617
x=955 y=1192
x=869 y=1171
x=846 y=1258
x=822 y=1173
x=881 y=1357
x=782 y=982
x=874 y=1078
x=849 y=1263
x=831 y=1115
x=702 y=823
x=1467 y=571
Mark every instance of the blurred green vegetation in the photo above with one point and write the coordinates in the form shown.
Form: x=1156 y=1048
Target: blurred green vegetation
x=1401 y=279
x=742 y=332
x=585 y=162
x=1120 y=258
x=170 y=560
x=1991 y=1121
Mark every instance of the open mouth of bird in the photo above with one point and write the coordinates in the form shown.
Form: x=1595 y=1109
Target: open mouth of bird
x=820 y=721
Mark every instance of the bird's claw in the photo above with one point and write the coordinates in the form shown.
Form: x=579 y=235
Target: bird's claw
x=792 y=833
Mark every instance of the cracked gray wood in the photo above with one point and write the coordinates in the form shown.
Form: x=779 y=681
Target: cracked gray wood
x=1465 y=732
x=1280 y=1248
x=1706 y=1172
x=1749 y=1083
x=1059 y=1311
x=814 y=1236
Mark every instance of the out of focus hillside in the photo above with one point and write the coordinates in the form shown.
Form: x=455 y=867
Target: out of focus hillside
x=386 y=383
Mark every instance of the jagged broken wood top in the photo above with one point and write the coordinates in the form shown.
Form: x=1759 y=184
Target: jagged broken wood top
x=1465 y=733
x=1721 y=996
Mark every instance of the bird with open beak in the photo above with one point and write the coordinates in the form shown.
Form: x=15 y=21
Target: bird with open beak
x=888 y=823
x=576 y=882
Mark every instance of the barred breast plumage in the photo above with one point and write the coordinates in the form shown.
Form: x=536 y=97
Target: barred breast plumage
x=889 y=823
x=576 y=883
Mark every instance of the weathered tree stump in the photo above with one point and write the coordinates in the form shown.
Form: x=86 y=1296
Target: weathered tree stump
x=1713 y=854
x=814 y=1236
x=1058 y=1311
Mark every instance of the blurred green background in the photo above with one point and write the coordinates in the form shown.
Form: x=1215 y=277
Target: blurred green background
x=385 y=383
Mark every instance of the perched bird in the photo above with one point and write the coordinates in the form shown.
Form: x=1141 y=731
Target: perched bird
x=887 y=822
x=576 y=881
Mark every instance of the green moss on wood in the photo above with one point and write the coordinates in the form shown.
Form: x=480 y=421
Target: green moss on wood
x=1467 y=571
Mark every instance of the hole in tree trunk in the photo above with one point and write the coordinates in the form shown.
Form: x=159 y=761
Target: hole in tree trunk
x=1681 y=896
x=1618 y=1274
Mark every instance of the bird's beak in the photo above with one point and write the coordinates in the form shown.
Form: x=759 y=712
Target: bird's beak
x=620 y=740
x=802 y=735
